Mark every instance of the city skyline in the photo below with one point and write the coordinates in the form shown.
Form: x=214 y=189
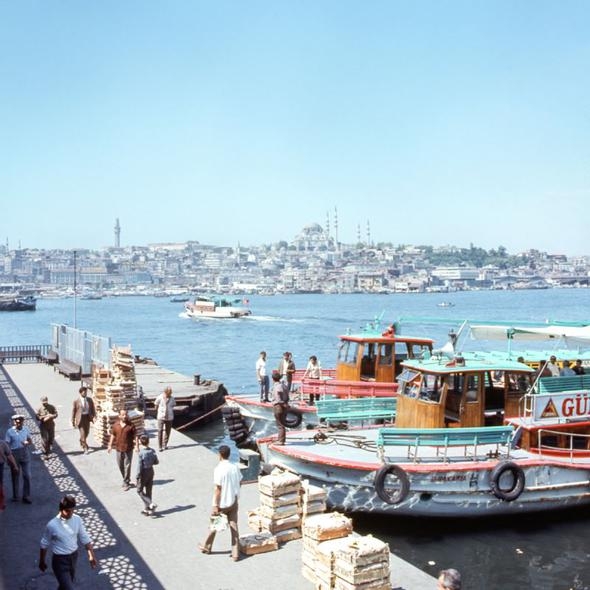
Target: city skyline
x=225 y=123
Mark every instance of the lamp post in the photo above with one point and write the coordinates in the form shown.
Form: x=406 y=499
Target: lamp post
x=75 y=294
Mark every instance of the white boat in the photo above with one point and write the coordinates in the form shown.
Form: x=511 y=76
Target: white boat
x=472 y=437
x=217 y=307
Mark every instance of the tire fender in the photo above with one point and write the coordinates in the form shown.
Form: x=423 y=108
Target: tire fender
x=507 y=495
x=394 y=496
x=292 y=418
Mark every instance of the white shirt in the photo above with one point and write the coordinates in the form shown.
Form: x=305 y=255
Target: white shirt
x=165 y=407
x=261 y=367
x=228 y=476
x=553 y=368
x=63 y=535
x=313 y=371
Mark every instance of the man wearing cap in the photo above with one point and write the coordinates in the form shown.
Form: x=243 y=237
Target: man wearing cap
x=62 y=534
x=19 y=440
x=46 y=415
x=83 y=413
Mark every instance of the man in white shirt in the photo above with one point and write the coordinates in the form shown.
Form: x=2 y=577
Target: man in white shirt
x=262 y=376
x=164 y=403
x=227 y=479
x=61 y=535
x=553 y=366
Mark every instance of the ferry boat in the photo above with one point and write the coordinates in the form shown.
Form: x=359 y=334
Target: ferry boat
x=472 y=437
x=217 y=307
x=14 y=298
x=367 y=366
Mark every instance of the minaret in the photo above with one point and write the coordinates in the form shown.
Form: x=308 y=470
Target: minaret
x=328 y=223
x=117 y=234
x=358 y=233
x=368 y=234
x=336 y=228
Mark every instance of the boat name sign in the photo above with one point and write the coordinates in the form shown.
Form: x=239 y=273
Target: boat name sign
x=573 y=404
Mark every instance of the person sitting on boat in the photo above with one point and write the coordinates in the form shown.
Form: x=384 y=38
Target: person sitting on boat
x=280 y=404
x=553 y=366
x=566 y=371
x=544 y=370
x=313 y=371
x=578 y=369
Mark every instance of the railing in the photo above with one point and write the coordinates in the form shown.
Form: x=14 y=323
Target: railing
x=326 y=374
x=337 y=388
x=24 y=352
x=562 y=450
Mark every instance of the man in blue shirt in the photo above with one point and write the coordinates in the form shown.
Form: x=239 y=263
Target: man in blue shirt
x=19 y=440
x=62 y=534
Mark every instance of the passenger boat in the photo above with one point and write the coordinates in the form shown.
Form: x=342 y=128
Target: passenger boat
x=367 y=366
x=472 y=437
x=217 y=307
x=17 y=302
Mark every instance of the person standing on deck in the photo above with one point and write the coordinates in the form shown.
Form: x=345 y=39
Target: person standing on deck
x=83 y=413
x=61 y=535
x=287 y=369
x=280 y=405
x=313 y=371
x=165 y=403
x=227 y=479
x=578 y=369
x=123 y=438
x=20 y=442
x=262 y=377
x=567 y=371
x=46 y=415
x=553 y=366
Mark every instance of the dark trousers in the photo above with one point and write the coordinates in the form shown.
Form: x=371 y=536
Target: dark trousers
x=232 y=516
x=47 y=431
x=124 y=462
x=84 y=429
x=264 y=387
x=145 y=481
x=279 y=411
x=64 y=569
x=25 y=470
x=164 y=428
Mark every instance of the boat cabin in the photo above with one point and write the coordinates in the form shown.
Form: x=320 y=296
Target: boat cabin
x=377 y=357
x=438 y=392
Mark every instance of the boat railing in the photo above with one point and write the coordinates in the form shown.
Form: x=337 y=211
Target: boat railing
x=326 y=374
x=567 y=444
x=346 y=389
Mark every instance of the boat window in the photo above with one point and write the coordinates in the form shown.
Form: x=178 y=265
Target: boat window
x=431 y=387
x=472 y=387
x=385 y=354
x=409 y=383
x=344 y=353
x=518 y=382
x=418 y=350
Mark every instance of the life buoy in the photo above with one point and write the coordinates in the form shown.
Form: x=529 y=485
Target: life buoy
x=387 y=494
x=292 y=418
x=514 y=491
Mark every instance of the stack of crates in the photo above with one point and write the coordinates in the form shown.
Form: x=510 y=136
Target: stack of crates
x=362 y=563
x=115 y=390
x=313 y=499
x=317 y=557
x=279 y=512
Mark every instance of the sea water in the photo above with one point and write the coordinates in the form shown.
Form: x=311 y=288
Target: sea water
x=533 y=551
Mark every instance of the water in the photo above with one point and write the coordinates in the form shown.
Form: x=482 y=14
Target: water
x=547 y=551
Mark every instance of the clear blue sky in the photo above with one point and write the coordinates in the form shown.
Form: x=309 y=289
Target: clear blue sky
x=439 y=122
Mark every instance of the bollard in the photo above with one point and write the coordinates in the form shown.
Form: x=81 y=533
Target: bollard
x=197 y=379
x=249 y=465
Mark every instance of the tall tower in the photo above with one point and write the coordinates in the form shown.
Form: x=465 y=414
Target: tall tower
x=368 y=234
x=327 y=223
x=117 y=234
x=336 y=227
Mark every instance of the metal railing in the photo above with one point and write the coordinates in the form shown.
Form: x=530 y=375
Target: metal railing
x=567 y=450
x=24 y=352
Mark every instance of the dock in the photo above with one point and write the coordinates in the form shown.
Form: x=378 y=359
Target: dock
x=135 y=552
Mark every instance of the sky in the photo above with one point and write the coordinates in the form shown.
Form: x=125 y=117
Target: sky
x=431 y=122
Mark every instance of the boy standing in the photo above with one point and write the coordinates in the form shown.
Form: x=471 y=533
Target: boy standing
x=146 y=460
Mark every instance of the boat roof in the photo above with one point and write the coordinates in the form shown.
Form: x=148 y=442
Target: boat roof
x=381 y=339
x=469 y=364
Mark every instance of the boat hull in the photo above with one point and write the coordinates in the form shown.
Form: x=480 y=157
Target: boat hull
x=455 y=489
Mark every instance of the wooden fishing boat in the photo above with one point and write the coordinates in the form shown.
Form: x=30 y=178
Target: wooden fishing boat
x=367 y=366
x=472 y=437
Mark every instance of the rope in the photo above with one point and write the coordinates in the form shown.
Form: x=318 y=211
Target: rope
x=200 y=417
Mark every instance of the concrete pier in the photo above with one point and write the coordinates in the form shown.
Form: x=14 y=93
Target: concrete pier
x=135 y=552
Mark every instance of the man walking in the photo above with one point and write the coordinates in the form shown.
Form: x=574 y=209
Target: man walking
x=123 y=438
x=227 y=478
x=262 y=376
x=46 y=415
x=164 y=403
x=83 y=413
x=61 y=535
x=19 y=440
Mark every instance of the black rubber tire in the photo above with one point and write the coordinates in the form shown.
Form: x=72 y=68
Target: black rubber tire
x=237 y=429
x=399 y=495
x=239 y=437
x=230 y=411
x=518 y=476
x=292 y=418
